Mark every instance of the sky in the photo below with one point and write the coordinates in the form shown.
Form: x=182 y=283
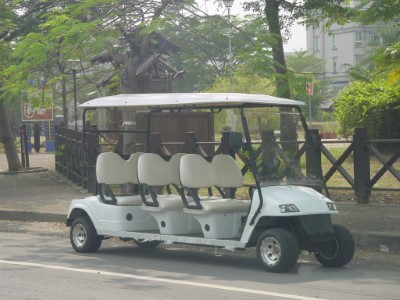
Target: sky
x=297 y=41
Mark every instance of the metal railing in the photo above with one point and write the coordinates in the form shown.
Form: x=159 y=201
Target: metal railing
x=77 y=161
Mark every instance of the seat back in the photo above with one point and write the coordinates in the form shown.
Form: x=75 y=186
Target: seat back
x=196 y=172
x=226 y=172
x=113 y=169
x=222 y=171
x=153 y=170
x=174 y=165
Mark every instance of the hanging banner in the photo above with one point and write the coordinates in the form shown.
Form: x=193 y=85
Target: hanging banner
x=30 y=113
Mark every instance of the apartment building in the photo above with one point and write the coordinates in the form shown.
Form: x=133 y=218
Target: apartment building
x=341 y=48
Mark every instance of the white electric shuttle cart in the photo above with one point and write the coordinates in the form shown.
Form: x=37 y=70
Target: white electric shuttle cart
x=261 y=195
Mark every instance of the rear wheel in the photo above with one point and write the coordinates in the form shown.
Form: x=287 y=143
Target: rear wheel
x=277 y=250
x=339 y=251
x=83 y=236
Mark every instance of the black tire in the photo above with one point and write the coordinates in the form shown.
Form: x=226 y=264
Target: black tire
x=83 y=236
x=277 y=250
x=338 y=252
x=148 y=244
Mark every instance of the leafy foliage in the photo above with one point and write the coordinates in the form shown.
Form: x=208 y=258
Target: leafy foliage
x=304 y=67
x=379 y=10
x=373 y=105
x=204 y=49
x=204 y=43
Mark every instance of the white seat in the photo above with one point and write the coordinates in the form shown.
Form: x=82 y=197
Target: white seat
x=222 y=172
x=154 y=171
x=167 y=209
x=219 y=218
x=113 y=169
x=126 y=213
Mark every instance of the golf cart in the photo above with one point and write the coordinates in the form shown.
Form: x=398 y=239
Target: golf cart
x=259 y=191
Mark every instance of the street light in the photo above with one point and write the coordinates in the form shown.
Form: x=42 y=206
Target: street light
x=74 y=64
x=228 y=4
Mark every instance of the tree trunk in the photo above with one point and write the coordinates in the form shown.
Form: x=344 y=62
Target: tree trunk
x=272 y=17
x=14 y=163
x=288 y=123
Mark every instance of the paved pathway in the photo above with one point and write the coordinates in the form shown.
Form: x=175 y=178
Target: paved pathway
x=36 y=160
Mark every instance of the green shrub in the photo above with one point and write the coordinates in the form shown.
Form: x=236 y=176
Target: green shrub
x=373 y=105
x=326 y=116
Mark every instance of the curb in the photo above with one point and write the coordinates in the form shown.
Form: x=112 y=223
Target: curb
x=28 y=216
x=380 y=241
x=25 y=171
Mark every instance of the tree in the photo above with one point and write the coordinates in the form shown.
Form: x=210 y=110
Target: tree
x=122 y=34
x=5 y=128
x=203 y=40
x=204 y=49
x=18 y=18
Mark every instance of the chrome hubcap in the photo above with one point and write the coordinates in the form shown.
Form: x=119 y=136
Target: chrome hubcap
x=270 y=251
x=79 y=235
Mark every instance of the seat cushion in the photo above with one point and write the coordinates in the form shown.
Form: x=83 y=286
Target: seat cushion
x=169 y=201
x=133 y=200
x=224 y=205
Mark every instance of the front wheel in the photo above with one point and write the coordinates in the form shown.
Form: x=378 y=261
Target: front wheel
x=83 y=236
x=277 y=250
x=337 y=252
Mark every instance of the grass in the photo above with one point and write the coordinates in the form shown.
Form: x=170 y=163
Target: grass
x=387 y=181
x=325 y=126
x=337 y=180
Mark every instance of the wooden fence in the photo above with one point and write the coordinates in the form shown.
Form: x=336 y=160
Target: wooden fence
x=77 y=162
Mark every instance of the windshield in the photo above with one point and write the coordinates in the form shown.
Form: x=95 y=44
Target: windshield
x=278 y=142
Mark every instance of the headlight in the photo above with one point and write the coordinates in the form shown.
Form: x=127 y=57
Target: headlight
x=288 y=208
x=331 y=206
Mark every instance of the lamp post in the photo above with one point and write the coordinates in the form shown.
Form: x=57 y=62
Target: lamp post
x=228 y=4
x=74 y=63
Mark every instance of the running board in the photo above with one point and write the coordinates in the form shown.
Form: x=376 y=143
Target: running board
x=201 y=241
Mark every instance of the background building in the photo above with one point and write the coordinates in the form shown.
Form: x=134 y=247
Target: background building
x=341 y=48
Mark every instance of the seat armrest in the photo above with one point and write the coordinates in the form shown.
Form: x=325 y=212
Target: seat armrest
x=143 y=188
x=192 y=194
x=105 y=189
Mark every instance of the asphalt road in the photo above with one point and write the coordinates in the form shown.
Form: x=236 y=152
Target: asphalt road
x=38 y=266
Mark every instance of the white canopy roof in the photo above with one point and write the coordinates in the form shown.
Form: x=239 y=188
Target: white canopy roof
x=186 y=100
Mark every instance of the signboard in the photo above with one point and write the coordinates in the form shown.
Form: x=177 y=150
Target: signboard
x=309 y=88
x=30 y=113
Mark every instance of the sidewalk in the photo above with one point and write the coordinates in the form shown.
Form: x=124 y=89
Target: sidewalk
x=44 y=195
